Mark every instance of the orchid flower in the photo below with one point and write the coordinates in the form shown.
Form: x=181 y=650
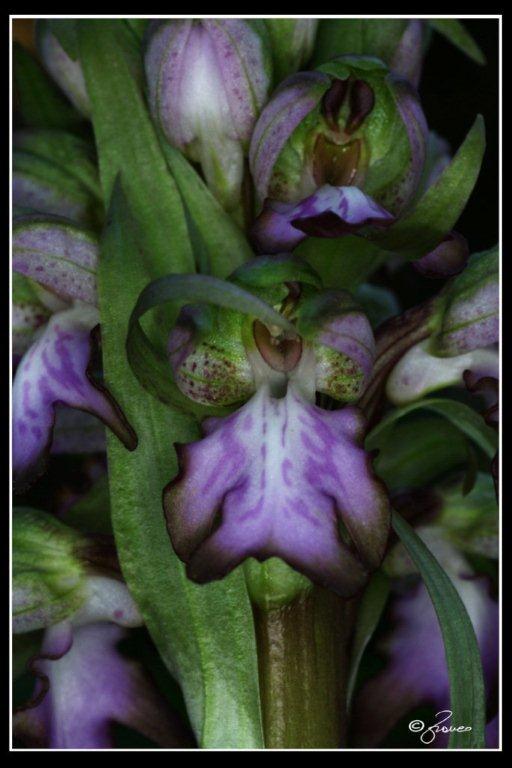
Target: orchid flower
x=321 y=148
x=55 y=330
x=280 y=475
x=61 y=583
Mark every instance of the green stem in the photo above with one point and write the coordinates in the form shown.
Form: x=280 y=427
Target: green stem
x=303 y=666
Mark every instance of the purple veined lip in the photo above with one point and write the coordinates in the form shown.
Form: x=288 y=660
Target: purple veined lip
x=271 y=480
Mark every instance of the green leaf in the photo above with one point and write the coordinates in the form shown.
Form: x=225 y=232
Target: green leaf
x=343 y=262
x=467 y=695
x=462 y=416
x=38 y=103
x=150 y=364
x=371 y=37
x=225 y=245
x=127 y=142
x=417 y=449
x=458 y=35
x=438 y=210
x=369 y=612
x=204 y=634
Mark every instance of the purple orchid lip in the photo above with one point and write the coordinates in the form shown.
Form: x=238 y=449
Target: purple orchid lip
x=90 y=667
x=56 y=370
x=329 y=212
x=274 y=479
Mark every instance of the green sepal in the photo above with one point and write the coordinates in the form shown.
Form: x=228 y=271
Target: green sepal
x=437 y=211
x=457 y=34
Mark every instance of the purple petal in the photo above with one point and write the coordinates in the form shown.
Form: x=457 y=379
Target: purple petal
x=295 y=98
x=55 y=370
x=408 y=57
x=416 y=671
x=277 y=476
x=58 y=255
x=91 y=687
x=329 y=212
x=447 y=259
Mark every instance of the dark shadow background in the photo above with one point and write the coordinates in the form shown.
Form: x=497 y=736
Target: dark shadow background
x=454 y=90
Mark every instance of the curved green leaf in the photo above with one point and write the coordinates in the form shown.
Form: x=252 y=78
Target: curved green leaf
x=418 y=449
x=438 y=210
x=150 y=364
x=458 y=35
x=467 y=696
x=461 y=415
x=205 y=634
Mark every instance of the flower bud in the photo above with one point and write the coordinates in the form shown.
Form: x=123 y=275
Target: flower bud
x=350 y=123
x=66 y=72
x=469 y=308
x=48 y=576
x=208 y=80
x=63 y=577
x=292 y=42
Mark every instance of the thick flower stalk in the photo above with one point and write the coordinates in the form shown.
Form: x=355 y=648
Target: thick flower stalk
x=278 y=477
x=207 y=82
x=334 y=151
